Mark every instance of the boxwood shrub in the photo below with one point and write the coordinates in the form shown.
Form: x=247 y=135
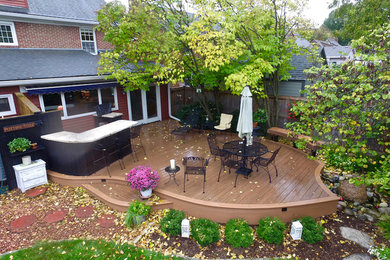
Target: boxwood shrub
x=312 y=232
x=271 y=230
x=205 y=231
x=171 y=223
x=238 y=233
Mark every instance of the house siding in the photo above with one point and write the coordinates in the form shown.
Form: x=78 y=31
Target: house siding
x=164 y=102
x=15 y=3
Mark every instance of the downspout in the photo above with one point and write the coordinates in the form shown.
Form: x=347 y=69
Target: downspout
x=169 y=103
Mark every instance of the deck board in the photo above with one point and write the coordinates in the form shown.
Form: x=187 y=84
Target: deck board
x=296 y=181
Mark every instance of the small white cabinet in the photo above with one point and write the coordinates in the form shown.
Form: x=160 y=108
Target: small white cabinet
x=30 y=176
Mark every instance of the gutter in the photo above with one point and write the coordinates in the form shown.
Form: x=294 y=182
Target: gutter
x=169 y=103
x=26 y=82
x=40 y=18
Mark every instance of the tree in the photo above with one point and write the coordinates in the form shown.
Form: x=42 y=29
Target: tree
x=353 y=19
x=349 y=105
x=323 y=33
x=264 y=35
x=152 y=43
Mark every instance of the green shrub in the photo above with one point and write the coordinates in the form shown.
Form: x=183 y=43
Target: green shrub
x=171 y=223
x=238 y=233
x=185 y=110
x=271 y=230
x=19 y=144
x=205 y=231
x=312 y=232
x=381 y=253
x=385 y=226
x=136 y=213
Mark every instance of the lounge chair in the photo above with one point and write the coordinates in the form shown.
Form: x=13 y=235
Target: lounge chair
x=225 y=122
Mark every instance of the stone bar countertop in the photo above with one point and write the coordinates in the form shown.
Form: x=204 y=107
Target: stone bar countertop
x=92 y=135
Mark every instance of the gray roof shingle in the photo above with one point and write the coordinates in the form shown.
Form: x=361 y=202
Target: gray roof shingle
x=19 y=64
x=337 y=51
x=300 y=62
x=70 y=9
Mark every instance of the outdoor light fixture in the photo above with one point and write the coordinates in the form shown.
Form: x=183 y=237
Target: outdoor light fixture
x=185 y=228
x=296 y=230
x=198 y=90
x=173 y=164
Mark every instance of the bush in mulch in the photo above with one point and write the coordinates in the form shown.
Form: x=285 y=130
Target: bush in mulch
x=312 y=232
x=205 y=231
x=171 y=223
x=271 y=230
x=238 y=233
x=384 y=225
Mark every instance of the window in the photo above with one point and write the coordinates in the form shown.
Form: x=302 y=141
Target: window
x=78 y=103
x=88 y=40
x=7 y=105
x=8 y=34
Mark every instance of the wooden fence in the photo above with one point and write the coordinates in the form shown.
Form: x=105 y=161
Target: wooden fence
x=182 y=96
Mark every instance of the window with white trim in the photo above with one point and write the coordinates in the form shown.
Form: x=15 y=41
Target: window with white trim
x=78 y=103
x=7 y=105
x=88 y=42
x=8 y=34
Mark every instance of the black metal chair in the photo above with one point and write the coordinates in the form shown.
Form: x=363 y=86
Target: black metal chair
x=195 y=166
x=191 y=121
x=229 y=160
x=213 y=145
x=265 y=162
x=135 y=132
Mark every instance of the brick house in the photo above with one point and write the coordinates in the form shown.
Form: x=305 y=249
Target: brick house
x=49 y=51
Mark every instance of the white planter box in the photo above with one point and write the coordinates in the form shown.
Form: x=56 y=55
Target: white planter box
x=30 y=176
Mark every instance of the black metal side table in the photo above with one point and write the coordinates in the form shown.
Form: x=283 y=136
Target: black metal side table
x=172 y=173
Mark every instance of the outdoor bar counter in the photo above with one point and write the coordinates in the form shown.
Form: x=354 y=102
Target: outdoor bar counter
x=87 y=152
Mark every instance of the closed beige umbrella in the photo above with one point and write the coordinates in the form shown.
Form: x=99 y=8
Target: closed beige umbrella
x=245 y=120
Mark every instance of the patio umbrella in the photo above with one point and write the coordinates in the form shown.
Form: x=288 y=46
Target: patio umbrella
x=245 y=120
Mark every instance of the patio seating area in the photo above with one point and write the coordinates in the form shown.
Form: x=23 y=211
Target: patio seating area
x=296 y=191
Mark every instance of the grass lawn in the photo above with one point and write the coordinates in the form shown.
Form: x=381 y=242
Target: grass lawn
x=84 y=249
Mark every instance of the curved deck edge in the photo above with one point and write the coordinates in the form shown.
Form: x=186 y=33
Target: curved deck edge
x=219 y=212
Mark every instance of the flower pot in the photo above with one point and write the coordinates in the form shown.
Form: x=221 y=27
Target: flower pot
x=26 y=160
x=34 y=146
x=138 y=219
x=146 y=193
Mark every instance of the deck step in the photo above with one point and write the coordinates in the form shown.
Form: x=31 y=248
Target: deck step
x=121 y=202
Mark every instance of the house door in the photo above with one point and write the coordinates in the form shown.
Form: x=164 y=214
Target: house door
x=144 y=106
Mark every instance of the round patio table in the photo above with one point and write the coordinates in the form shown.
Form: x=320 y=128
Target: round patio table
x=237 y=147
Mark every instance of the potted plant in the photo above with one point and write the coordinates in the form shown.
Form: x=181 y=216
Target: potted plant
x=144 y=179
x=260 y=118
x=137 y=213
x=19 y=144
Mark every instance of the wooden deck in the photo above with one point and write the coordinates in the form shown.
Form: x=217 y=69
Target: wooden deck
x=297 y=191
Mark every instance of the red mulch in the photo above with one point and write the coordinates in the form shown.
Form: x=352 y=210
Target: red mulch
x=84 y=212
x=105 y=223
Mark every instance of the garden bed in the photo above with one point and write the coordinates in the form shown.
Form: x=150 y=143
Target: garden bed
x=148 y=235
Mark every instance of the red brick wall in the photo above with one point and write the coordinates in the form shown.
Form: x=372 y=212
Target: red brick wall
x=32 y=35
x=101 y=44
x=17 y=3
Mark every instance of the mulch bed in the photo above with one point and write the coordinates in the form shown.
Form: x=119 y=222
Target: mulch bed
x=105 y=223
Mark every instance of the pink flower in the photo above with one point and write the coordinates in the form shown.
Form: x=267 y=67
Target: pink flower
x=143 y=177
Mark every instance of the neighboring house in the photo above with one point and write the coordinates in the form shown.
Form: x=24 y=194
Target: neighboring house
x=333 y=52
x=49 y=51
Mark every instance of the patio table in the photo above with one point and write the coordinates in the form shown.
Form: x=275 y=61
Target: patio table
x=237 y=147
